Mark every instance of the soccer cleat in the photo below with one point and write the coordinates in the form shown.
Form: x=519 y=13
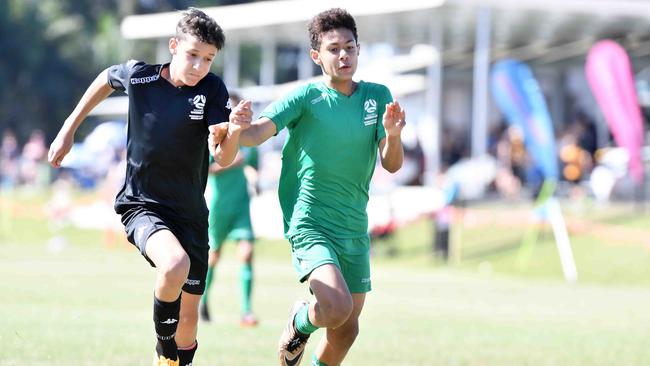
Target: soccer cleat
x=248 y=320
x=204 y=313
x=292 y=343
x=164 y=361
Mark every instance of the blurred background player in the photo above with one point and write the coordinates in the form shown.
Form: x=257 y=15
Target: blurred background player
x=227 y=195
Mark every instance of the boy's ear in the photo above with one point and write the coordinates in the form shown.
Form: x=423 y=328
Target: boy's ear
x=173 y=44
x=315 y=56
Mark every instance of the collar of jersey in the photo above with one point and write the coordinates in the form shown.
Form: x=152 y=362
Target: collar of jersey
x=335 y=93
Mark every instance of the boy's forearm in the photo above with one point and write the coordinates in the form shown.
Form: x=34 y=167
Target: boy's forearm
x=259 y=131
x=98 y=90
x=216 y=169
x=250 y=137
x=392 y=154
x=227 y=149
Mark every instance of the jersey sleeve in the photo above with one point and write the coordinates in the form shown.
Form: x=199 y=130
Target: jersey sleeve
x=218 y=107
x=286 y=111
x=119 y=75
x=384 y=98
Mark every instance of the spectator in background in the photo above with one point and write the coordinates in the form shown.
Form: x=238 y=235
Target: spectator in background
x=576 y=148
x=9 y=155
x=33 y=167
x=586 y=133
x=511 y=160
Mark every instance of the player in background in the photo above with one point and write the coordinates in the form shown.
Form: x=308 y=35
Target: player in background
x=228 y=199
x=161 y=202
x=337 y=127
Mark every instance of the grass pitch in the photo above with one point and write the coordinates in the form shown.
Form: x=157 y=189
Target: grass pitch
x=82 y=303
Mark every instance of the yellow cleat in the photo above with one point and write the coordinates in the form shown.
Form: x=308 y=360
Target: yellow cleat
x=164 y=361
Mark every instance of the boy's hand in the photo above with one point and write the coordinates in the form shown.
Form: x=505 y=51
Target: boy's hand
x=59 y=148
x=241 y=116
x=394 y=119
x=217 y=134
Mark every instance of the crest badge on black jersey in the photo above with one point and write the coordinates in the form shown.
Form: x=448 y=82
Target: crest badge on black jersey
x=199 y=105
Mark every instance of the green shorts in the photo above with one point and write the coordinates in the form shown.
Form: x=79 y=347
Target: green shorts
x=229 y=226
x=310 y=250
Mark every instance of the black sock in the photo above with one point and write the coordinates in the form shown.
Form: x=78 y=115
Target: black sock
x=185 y=356
x=165 y=318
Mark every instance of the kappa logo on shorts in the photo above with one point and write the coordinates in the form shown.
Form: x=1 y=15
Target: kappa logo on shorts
x=370 y=116
x=170 y=321
x=199 y=103
x=190 y=282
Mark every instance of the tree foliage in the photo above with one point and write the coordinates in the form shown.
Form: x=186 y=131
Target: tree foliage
x=53 y=49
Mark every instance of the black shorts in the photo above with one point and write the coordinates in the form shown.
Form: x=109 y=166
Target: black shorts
x=141 y=223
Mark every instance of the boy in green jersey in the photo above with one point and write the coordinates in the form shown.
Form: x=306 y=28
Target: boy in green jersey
x=336 y=127
x=230 y=219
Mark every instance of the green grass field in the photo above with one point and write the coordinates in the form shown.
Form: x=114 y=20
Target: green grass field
x=87 y=304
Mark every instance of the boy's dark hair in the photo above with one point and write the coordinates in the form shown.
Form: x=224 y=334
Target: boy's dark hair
x=198 y=24
x=326 y=21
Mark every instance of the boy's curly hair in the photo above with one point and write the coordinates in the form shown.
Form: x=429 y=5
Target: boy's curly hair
x=326 y=21
x=198 y=24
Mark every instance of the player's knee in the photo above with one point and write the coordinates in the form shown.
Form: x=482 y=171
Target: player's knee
x=246 y=251
x=189 y=319
x=336 y=310
x=213 y=258
x=175 y=270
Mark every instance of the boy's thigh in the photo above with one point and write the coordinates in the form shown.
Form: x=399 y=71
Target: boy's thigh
x=313 y=250
x=141 y=224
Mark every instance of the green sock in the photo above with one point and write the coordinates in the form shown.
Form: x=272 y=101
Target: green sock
x=246 y=282
x=316 y=362
x=302 y=322
x=208 y=282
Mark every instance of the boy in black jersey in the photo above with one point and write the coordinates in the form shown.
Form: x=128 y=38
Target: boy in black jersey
x=161 y=202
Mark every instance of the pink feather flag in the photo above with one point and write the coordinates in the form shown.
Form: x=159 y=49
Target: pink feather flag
x=609 y=74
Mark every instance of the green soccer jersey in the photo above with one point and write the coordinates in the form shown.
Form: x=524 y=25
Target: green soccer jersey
x=229 y=189
x=329 y=156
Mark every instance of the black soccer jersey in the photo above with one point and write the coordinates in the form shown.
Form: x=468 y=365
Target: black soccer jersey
x=167 y=153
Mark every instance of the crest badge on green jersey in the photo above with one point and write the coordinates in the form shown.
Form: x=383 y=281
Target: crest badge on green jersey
x=370 y=112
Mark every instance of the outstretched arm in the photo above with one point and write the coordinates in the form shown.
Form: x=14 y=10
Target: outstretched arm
x=98 y=90
x=260 y=131
x=390 y=147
